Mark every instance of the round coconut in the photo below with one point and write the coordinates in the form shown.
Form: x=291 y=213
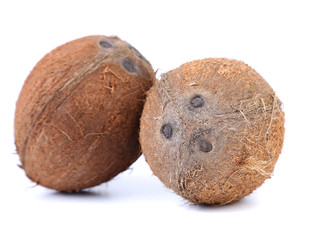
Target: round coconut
x=212 y=130
x=77 y=116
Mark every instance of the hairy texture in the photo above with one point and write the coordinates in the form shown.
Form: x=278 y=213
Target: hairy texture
x=226 y=130
x=77 y=116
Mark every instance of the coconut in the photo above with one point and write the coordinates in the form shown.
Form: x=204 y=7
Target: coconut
x=212 y=130
x=77 y=116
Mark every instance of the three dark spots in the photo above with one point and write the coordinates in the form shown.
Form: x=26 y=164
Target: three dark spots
x=166 y=129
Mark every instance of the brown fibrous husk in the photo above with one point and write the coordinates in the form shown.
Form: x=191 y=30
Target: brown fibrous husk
x=241 y=123
x=77 y=116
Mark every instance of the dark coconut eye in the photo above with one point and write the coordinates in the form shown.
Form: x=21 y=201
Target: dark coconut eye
x=129 y=65
x=205 y=146
x=136 y=52
x=166 y=130
x=197 y=102
x=105 y=44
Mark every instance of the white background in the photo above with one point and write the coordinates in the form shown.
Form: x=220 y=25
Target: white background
x=280 y=39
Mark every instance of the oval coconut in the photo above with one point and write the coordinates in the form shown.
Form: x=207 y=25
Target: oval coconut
x=212 y=130
x=77 y=116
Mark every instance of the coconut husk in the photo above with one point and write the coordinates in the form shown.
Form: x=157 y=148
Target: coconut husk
x=226 y=125
x=77 y=116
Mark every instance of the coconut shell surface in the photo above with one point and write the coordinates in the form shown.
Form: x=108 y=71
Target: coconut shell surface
x=212 y=130
x=77 y=116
